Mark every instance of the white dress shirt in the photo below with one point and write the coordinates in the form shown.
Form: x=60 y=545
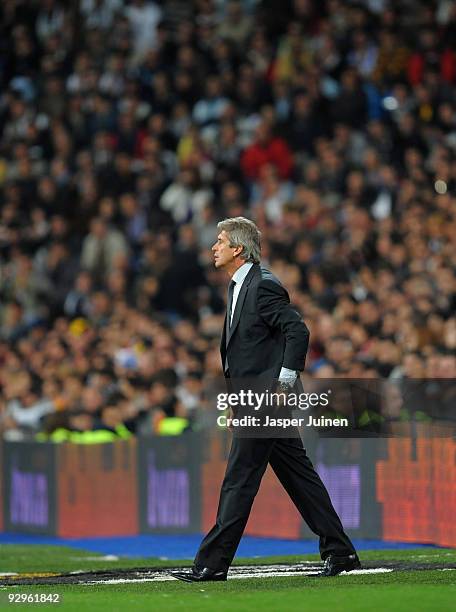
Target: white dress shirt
x=239 y=277
x=286 y=375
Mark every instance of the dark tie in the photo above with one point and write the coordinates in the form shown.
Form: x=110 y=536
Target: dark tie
x=229 y=304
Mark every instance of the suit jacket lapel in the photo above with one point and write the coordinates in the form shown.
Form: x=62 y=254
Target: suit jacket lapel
x=240 y=301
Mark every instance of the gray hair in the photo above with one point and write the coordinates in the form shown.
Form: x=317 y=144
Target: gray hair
x=243 y=232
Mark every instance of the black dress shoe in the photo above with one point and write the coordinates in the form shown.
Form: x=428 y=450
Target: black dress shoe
x=335 y=565
x=200 y=574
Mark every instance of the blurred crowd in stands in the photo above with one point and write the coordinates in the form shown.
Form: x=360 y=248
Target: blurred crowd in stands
x=129 y=128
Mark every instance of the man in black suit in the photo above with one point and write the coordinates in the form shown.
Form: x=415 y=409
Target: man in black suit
x=264 y=338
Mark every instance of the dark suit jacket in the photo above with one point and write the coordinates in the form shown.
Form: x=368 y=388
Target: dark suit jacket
x=266 y=333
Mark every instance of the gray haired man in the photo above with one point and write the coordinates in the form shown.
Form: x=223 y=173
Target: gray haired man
x=263 y=338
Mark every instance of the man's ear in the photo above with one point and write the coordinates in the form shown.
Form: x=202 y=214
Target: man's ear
x=238 y=250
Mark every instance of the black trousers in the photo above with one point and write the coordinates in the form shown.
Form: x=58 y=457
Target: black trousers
x=247 y=463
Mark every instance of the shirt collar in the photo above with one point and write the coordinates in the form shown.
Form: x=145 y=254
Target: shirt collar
x=241 y=273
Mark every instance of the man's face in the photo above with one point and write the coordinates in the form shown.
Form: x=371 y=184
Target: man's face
x=222 y=251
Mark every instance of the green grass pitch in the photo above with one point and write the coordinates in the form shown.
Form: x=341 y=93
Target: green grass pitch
x=404 y=590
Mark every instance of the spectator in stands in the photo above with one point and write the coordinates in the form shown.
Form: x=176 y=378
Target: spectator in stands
x=103 y=250
x=266 y=149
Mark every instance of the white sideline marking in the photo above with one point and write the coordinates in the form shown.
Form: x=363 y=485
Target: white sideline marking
x=105 y=558
x=128 y=580
x=263 y=574
x=373 y=570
